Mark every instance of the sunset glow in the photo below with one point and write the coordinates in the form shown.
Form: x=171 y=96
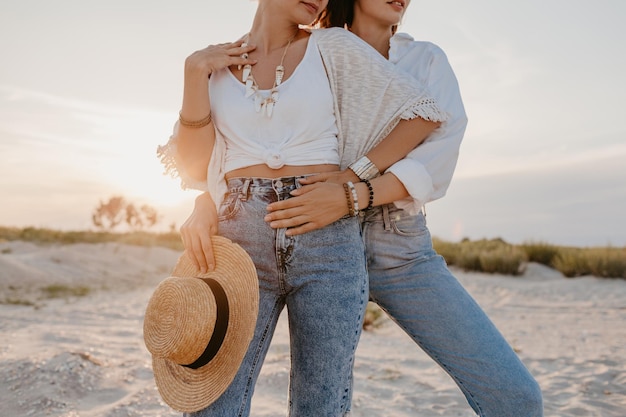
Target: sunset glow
x=88 y=91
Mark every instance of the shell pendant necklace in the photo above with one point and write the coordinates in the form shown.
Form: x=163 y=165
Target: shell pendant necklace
x=264 y=104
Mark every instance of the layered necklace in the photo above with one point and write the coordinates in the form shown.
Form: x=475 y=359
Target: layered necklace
x=264 y=104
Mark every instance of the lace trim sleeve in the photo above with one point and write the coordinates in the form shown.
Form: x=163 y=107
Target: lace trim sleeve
x=167 y=154
x=427 y=109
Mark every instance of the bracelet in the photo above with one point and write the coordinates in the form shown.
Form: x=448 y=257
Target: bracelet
x=195 y=124
x=370 y=202
x=355 y=197
x=364 y=168
x=351 y=211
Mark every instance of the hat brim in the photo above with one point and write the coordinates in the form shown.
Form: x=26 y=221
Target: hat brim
x=186 y=389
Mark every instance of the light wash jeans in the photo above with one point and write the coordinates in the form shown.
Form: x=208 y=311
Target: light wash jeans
x=321 y=277
x=412 y=283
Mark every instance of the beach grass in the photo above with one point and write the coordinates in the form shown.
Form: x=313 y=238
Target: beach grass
x=48 y=236
x=498 y=256
x=65 y=291
x=485 y=255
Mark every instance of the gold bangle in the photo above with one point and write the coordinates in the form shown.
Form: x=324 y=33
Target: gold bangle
x=195 y=124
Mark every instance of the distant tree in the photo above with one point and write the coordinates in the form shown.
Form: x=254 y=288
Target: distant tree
x=133 y=217
x=150 y=215
x=108 y=215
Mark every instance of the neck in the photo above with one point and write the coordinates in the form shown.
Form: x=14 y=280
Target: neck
x=376 y=35
x=270 y=32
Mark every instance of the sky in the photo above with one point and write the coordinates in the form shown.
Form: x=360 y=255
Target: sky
x=89 y=89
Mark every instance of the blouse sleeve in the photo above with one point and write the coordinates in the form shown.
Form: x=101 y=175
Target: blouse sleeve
x=168 y=154
x=427 y=170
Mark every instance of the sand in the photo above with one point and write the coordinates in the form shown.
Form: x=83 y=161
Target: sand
x=83 y=355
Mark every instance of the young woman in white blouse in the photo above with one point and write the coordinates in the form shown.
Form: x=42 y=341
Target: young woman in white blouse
x=406 y=276
x=269 y=110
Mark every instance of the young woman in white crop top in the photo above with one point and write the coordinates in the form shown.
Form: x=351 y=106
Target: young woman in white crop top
x=299 y=132
x=302 y=94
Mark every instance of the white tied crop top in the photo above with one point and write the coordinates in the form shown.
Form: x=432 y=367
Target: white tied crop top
x=301 y=131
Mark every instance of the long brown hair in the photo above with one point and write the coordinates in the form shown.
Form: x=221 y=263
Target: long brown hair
x=340 y=13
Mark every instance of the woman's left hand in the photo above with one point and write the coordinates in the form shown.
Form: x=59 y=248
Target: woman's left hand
x=197 y=230
x=337 y=177
x=311 y=207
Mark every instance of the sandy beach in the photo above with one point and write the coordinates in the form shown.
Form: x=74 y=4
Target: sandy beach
x=83 y=355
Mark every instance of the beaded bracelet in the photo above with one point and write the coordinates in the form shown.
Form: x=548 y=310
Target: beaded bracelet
x=194 y=124
x=355 y=197
x=351 y=211
x=370 y=202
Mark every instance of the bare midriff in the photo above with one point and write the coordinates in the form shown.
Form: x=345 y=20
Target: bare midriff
x=263 y=171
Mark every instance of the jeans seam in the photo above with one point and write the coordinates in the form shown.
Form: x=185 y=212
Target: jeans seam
x=255 y=362
x=455 y=378
x=345 y=407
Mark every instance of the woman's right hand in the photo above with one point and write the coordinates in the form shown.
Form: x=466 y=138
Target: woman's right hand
x=198 y=68
x=215 y=57
x=197 y=230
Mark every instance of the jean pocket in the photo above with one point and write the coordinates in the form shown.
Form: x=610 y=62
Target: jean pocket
x=229 y=207
x=407 y=225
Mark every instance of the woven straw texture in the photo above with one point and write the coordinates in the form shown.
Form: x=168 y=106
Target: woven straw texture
x=179 y=321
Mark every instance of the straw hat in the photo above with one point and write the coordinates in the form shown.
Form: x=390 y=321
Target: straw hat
x=198 y=326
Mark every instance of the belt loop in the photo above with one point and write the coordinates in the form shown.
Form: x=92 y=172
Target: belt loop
x=386 y=219
x=244 y=189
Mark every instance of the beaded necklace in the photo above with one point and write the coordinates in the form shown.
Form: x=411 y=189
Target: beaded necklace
x=264 y=104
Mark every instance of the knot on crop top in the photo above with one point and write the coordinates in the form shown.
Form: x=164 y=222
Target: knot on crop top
x=273 y=158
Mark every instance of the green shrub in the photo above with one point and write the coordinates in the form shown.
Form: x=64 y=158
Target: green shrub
x=449 y=250
x=539 y=252
x=606 y=262
x=64 y=291
x=508 y=260
x=468 y=257
x=575 y=262
x=486 y=255
x=571 y=263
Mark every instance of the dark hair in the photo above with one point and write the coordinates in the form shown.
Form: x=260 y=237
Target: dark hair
x=338 y=13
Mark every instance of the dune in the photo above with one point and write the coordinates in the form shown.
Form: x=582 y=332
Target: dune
x=79 y=351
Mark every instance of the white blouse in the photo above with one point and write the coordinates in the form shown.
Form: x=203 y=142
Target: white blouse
x=427 y=170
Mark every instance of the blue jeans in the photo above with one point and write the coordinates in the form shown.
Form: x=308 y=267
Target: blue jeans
x=321 y=277
x=412 y=283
